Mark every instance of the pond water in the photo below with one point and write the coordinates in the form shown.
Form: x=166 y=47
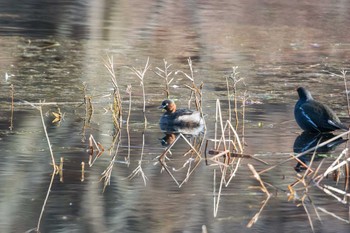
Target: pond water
x=54 y=55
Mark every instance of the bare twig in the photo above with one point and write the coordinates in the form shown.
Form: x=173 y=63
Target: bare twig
x=12 y=106
x=165 y=74
x=141 y=75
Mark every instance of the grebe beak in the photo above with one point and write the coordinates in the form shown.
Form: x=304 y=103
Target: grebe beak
x=163 y=106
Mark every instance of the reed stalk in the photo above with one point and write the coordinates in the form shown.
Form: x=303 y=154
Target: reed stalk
x=12 y=91
x=165 y=74
x=141 y=75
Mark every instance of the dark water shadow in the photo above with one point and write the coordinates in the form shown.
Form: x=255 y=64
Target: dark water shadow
x=306 y=141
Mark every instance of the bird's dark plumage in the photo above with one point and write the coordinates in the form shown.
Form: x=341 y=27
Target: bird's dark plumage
x=314 y=116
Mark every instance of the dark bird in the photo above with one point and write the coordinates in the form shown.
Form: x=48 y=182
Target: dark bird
x=314 y=116
x=179 y=118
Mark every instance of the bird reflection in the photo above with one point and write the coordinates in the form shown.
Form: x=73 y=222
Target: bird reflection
x=172 y=131
x=308 y=140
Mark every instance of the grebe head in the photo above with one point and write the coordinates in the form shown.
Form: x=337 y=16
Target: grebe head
x=169 y=106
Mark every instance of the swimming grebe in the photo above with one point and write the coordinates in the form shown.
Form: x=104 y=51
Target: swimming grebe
x=314 y=116
x=179 y=117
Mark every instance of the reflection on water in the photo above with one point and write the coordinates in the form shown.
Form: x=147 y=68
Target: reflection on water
x=308 y=142
x=54 y=51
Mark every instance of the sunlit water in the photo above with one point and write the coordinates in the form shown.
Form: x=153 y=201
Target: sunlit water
x=52 y=55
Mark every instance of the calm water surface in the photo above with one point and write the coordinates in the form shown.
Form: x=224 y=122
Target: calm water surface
x=55 y=52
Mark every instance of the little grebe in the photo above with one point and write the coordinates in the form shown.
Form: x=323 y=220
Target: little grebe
x=179 y=117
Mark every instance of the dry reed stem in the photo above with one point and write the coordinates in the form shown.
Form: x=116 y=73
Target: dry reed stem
x=189 y=171
x=233 y=173
x=236 y=136
x=343 y=76
x=82 y=172
x=258 y=178
x=47 y=138
x=214 y=193
x=218 y=106
x=343 y=72
x=330 y=193
x=216 y=205
x=333 y=215
x=234 y=76
x=138 y=170
x=55 y=168
x=336 y=190
x=218 y=154
x=264 y=189
x=12 y=91
x=245 y=97
x=88 y=112
x=25 y=103
x=98 y=146
x=128 y=90
x=45 y=200
x=117 y=100
x=196 y=91
x=107 y=173
x=60 y=169
x=141 y=75
x=333 y=166
x=317 y=169
x=257 y=215
x=307 y=213
x=165 y=75
x=309 y=170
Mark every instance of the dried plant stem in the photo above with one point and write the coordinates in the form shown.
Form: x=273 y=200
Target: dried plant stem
x=47 y=138
x=117 y=100
x=98 y=146
x=308 y=214
x=55 y=168
x=234 y=76
x=141 y=75
x=343 y=76
x=228 y=99
x=216 y=205
x=45 y=201
x=195 y=90
x=128 y=90
x=333 y=166
x=257 y=177
x=12 y=106
x=138 y=170
x=165 y=74
x=229 y=109
x=333 y=215
x=190 y=170
x=243 y=115
x=257 y=215
x=82 y=172
x=107 y=173
x=88 y=112
x=343 y=72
